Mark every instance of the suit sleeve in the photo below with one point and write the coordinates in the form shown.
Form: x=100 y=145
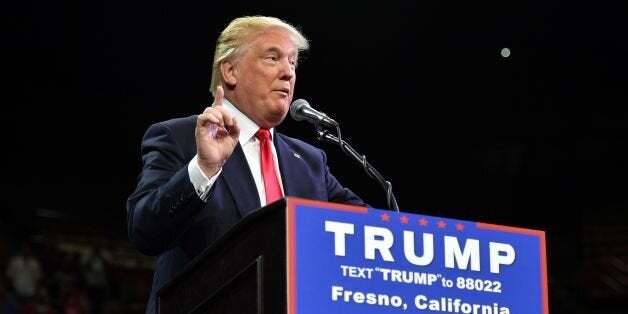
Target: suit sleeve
x=161 y=208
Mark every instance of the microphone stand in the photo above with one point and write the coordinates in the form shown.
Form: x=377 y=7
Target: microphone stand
x=324 y=135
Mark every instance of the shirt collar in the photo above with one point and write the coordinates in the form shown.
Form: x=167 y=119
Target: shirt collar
x=248 y=128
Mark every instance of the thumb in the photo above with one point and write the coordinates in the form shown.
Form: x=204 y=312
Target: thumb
x=219 y=96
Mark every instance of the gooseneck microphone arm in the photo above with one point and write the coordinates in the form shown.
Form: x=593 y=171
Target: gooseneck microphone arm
x=300 y=110
x=323 y=134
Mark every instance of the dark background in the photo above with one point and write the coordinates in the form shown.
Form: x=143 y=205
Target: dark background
x=535 y=140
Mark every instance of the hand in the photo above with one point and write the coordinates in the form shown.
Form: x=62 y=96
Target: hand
x=216 y=134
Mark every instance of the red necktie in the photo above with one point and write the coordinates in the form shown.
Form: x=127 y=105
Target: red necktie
x=271 y=183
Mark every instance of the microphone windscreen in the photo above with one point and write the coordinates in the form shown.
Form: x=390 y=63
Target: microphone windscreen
x=296 y=106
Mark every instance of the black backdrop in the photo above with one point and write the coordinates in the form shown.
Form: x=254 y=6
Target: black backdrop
x=536 y=139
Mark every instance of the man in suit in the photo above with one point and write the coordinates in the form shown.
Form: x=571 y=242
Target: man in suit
x=201 y=174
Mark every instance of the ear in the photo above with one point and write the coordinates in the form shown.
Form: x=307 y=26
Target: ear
x=228 y=72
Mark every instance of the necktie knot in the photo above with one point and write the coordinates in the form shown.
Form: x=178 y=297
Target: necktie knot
x=262 y=134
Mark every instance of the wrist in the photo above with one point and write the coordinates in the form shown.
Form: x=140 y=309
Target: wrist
x=209 y=169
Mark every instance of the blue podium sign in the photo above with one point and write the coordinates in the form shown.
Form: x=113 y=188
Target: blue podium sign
x=347 y=259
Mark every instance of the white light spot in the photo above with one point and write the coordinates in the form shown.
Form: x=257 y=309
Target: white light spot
x=505 y=52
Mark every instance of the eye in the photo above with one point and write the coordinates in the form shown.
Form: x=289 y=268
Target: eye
x=271 y=58
x=293 y=62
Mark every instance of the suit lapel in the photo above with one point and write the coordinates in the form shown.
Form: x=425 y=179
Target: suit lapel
x=290 y=163
x=237 y=175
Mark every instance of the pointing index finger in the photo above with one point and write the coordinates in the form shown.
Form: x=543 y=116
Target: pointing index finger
x=219 y=97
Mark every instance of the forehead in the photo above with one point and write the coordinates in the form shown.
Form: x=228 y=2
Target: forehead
x=274 y=38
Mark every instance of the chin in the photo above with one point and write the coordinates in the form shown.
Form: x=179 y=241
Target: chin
x=281 y=107
x=284 y=101
x=276 y=119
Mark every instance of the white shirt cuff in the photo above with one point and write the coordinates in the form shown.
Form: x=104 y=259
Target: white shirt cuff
x=201 y=183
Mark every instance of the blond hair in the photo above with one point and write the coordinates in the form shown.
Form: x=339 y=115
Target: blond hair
x=233 y=39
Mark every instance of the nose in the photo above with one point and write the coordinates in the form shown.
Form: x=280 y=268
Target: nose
x=287 y=69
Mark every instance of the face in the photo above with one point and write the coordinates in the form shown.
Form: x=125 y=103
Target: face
x=262 y=79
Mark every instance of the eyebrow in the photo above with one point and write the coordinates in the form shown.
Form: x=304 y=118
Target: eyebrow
x=276 y=49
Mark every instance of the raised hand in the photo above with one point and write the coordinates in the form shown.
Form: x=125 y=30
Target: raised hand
x=216 y=134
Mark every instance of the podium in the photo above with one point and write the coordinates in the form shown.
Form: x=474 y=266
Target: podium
x=299 y=256
x=243 y=272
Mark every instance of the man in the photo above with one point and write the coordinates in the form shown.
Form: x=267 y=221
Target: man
x=24 y=270
x=202 y=174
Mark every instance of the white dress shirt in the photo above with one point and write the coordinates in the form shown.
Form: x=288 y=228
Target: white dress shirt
x=250 y=145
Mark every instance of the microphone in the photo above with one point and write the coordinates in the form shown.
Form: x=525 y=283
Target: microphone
x=300 y=110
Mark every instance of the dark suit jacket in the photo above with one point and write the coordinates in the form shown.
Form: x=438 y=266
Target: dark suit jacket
x=167 y=219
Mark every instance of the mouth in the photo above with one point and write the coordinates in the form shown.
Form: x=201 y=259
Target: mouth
x=284 y=91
